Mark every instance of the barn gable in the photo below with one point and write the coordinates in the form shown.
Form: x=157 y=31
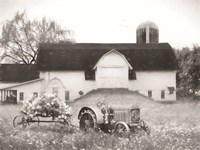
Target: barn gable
x=55 y=82
x=113 y=58
x=112 y=70
x=56 y=87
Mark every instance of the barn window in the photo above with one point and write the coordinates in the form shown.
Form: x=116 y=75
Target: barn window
x=90 y=75
x=35 y=94
x=55 y=91
x=132 y=75
x=163 y=94
x=150 y=94
x=171 y=90
x=66 y=95
x=21 y=96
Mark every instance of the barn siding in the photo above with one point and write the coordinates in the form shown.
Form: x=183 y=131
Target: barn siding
x=74 y=81
x=155 y=81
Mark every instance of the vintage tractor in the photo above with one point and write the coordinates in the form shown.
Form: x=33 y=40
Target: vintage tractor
x=120 y=120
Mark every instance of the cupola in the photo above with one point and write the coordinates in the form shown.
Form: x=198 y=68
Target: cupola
x=147 y=32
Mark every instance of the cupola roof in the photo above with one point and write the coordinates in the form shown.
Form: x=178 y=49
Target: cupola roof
x=147 y=23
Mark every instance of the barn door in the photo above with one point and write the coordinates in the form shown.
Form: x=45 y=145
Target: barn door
x=114 y=77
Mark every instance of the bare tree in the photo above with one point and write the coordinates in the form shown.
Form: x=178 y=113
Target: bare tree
x=21 y=37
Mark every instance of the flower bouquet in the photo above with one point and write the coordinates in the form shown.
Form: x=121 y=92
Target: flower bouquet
x=47 y=105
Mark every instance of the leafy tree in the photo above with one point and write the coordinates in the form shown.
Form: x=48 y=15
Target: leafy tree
x=194 y=72
x=188 y=73
x=20 y=38
x=181 y=76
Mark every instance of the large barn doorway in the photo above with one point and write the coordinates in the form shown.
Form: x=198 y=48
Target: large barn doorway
x=113 y=77
x=112 y=70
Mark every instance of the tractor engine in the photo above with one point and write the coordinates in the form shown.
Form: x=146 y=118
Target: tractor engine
x=126 y=115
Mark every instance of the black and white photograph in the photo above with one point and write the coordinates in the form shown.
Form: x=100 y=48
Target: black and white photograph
x=99 y=74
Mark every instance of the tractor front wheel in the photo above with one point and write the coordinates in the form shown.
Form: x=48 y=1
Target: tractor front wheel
x=121 y=129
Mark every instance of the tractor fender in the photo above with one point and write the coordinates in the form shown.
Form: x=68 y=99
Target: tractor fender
x=99 y=115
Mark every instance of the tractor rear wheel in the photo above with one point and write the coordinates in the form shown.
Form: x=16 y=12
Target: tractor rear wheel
x=88 y=120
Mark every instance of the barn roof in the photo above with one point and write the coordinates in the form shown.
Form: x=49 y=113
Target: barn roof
x=83 y=56
x=18 y=72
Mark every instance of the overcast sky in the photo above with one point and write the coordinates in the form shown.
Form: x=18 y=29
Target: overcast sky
x=115 y=21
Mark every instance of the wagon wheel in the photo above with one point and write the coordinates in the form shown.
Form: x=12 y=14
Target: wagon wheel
x=20 y=121
x=88 y=120
x=144 y=126
x=121 y=129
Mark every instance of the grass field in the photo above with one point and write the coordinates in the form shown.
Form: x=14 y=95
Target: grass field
x=173 y=126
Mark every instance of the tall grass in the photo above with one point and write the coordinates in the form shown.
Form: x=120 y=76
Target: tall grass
x=46 y=137
x=173 y=126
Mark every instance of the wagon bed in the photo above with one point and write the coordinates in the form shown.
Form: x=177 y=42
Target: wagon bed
x=23 y=120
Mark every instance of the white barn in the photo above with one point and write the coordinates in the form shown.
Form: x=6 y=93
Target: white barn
x=72 y=70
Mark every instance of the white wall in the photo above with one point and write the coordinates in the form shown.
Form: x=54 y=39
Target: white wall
x=73 y=81
x=55 y=82
x=112 y=72
x=155 y=81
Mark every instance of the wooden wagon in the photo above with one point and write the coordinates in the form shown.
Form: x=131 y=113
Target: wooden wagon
x=23 y=120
